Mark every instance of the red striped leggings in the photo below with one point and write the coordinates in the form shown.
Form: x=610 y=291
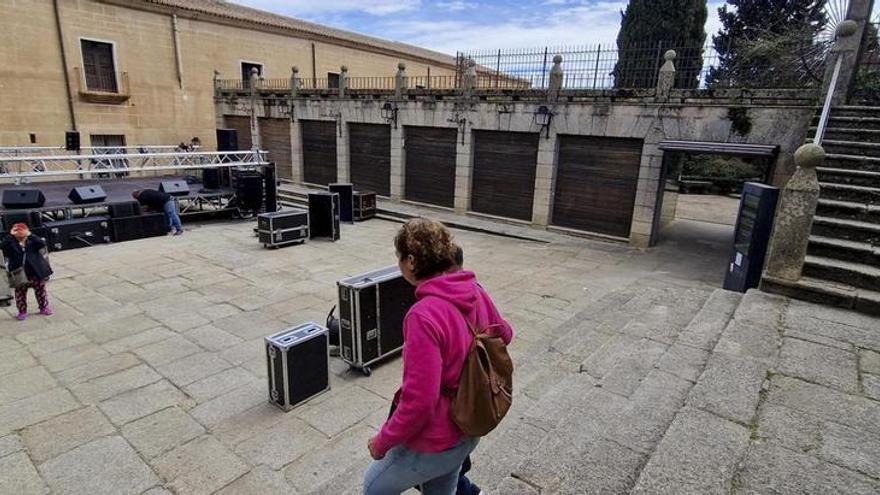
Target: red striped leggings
x=39 y=291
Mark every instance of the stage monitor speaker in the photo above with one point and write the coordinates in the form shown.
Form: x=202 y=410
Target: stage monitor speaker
x=23 y=198
x=30 y=218
x=71 y=141
x=211 y=178
x=87 y=194
x=138 y=226
x=249 y=191
x=174 y=187
x=124 y=209
x=227 y=140
x=271 y=188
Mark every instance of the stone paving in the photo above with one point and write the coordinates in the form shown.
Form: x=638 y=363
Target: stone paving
x=634 y=374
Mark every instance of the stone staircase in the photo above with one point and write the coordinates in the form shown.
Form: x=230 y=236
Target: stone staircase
x=843 y=259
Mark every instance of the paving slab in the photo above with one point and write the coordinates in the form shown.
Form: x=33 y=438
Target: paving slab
x=871 y=386
x=790 y=428
x=698 y=454
x=235 y=401
x=820 y=364
x=220 y=383
x=10 y=444
x=729 y=387
x=105 y=466
x=201 y=466
x=684 y=361
x=161 y=431
x=191 y=368
x=105 y=387
x=138 y=340
x=310 y=473
x=825 y=403
x=281 y=444
x=97 y=368
x=851 y=448
x=65 y=432
x=35 y=409
x=18 y=476
x=341 y=410
x=166 y=351
x=212 y=338
x=262 y=480
x=869 y=361
x=25 y=383
x=759 y=341
x=142 y=402
x=16 y=360
x=72 y=357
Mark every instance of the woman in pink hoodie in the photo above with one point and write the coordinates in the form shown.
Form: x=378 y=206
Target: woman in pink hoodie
x=419 y=444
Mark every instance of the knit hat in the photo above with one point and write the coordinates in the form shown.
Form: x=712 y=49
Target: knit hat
x=21 y=227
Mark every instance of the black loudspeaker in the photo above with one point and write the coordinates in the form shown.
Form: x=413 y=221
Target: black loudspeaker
x=271 y=188
x=87 y=194
x=211 y=178
x=227 y=140
x=125 y=209
x=138 y=226
x=23 y=198
x=249 y=191
x=71 y=141
x=345 y=200
x=30 y=218
x=174 y=187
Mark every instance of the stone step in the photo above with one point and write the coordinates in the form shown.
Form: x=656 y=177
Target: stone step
x=843 y=147
x=826 y=293
x=855 y=162
x=851 y=121
x=855 y=111
x=851 y=230
x=858 y=275
x=846 y=192
x=841 y=249
x=848 y=176
x=848 y=134
x=848 y=210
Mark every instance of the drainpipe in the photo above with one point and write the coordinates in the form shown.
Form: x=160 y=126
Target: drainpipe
x=64 y=66
x=177 y=60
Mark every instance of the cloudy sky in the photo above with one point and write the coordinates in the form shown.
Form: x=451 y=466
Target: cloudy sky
x=452 y=25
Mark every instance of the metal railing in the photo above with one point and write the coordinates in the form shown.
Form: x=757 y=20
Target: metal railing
x=93 y=80
x=30 y=167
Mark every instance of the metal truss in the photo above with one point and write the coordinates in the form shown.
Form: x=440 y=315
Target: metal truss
x=15 y=151
x=24 y=168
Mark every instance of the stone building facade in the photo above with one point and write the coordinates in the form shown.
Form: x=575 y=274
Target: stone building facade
x=141 y=71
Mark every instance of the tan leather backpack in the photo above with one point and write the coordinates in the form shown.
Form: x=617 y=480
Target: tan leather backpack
x=485 y=389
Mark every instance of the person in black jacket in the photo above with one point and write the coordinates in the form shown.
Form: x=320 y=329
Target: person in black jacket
x=154 y=200
x=21 y=248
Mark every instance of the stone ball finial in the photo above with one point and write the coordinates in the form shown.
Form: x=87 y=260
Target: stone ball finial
x=343 y=68
x=670 y=55
x=401 y=66
x=846 y=28
x=557 y=59
x=809 y=156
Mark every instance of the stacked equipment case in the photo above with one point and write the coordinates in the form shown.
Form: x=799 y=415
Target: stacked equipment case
x=77 y=232
x=371 y=311
x=364 y=205
x=345 y=191
x=283 y=227
x=297 y=360
x=324 y=215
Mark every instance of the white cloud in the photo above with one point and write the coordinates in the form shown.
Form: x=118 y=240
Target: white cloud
x=456 y=5
x=311 y=8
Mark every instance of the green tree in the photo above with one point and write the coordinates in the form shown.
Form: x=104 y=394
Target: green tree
x=768 y=43
x=650 y=27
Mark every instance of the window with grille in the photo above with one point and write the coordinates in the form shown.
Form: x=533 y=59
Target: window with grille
x=99 y=66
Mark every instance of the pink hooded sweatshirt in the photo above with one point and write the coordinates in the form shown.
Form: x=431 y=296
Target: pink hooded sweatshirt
x=436 y=343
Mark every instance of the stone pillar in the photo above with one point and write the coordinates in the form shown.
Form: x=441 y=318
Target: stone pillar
x=556 y=77
x=343 y=81
x=464 y=167
x=545 y=173
x=400 y=81
x=794 y=216
x=294 y=81
x=398 y=163
x=469 y=79
x=666 y=78
x=219 y=104
x=255 y=121
x=343 y=164
x=296 y=151
x=850 y=36
x=650 y=172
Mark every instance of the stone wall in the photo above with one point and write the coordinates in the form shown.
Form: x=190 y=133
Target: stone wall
x=161 y=109
x=684 y=116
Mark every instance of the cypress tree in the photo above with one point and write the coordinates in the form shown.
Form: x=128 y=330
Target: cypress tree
x=650 y=27
x=767 y=42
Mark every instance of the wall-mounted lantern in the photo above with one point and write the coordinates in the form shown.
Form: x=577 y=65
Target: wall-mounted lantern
x=543 y=117
x=389 y=113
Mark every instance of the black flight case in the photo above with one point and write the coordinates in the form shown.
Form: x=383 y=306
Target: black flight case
x=364 y=205
x=297 y=361
x=78 y=232
x=324 y=215
x=283 y=227
x=371 y=311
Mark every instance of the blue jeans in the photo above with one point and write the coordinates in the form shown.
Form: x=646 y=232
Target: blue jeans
x=172 y=216
x=402 y=469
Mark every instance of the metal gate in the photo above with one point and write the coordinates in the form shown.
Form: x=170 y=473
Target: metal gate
x=430 y=165
x=596 y=182
x=504 y=173
x=242 y=126
x=275 y=138
x=319 y=151
x=370 y=157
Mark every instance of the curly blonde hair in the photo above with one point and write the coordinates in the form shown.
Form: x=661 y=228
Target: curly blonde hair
x=430 y=244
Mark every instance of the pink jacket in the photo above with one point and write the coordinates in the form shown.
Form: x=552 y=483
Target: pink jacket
x=436 y=342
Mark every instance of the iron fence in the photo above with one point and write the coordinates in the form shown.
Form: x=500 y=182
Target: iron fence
x=867 y=85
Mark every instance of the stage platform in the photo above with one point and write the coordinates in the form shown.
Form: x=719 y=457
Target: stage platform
x=119 y=190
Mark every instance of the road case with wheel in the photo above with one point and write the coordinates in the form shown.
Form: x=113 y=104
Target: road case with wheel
x=283 y=227
x=297 y=361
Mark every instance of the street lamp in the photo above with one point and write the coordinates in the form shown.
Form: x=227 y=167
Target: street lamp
x=543 y=117
x=389 y=113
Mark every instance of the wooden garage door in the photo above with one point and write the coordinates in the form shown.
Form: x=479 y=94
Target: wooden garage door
x=503 y=183
x=430 y=165
x=275 y=138
x=596 y=183
x=242 y=126
x=370 y=157
x=319 y=151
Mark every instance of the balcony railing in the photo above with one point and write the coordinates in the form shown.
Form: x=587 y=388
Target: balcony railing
x=102 y=86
